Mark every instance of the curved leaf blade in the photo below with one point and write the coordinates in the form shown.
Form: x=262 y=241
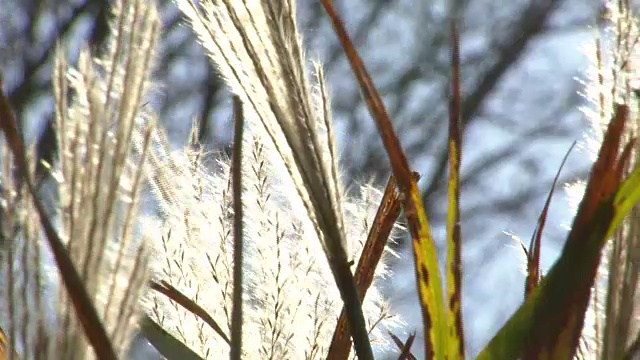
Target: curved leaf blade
x=533 y=254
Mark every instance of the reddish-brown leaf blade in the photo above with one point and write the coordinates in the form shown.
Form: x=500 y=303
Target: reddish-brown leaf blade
x=425 y=254
x=548 y=325
x=604 y=177
x=533 y=255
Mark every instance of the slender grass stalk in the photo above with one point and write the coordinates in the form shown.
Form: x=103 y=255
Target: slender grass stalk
x=533 y=254
x=238 y=247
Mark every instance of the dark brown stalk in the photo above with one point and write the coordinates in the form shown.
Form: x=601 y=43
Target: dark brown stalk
x=236 y=181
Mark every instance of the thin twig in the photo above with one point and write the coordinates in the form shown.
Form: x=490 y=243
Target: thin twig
x=533 y=255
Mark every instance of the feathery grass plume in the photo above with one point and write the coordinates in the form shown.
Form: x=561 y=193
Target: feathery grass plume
x=291 y=302
x=98 y=112
x=613 y=321
x=257 y=48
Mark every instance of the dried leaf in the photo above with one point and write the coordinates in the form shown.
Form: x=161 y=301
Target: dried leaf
x=168 y=346
x=179 y=298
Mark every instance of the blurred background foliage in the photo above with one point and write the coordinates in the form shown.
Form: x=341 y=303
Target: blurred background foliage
x=520 y=60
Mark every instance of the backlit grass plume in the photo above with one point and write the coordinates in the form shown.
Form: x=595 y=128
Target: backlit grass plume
x=291 y=303
x=98 y=183
x=295 y=209
x=257 y=48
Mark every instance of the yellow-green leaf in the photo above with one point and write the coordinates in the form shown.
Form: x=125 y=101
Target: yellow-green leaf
x=455 y=341
x=428 y=277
